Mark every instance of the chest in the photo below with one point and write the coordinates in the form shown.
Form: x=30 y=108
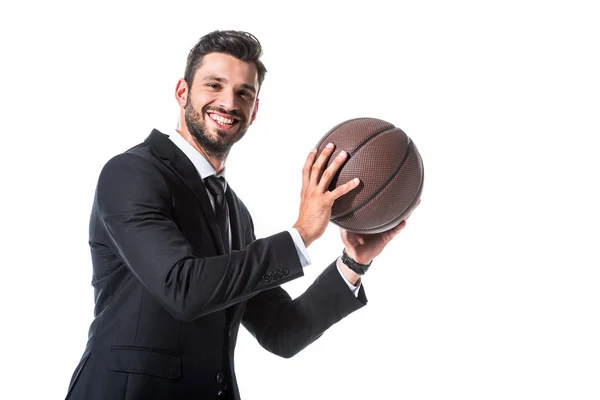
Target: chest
x=192 y=212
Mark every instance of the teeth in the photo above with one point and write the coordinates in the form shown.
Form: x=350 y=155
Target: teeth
x=221 y=120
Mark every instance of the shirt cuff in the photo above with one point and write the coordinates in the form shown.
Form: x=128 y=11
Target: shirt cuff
x=300 y=247
x=353 y=288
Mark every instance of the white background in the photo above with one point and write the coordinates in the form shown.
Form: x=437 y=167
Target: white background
x=492 y=290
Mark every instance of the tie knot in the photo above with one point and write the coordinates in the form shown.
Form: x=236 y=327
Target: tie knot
x=216 y=185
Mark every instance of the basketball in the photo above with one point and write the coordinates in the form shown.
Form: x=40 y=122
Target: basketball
x=390 y=170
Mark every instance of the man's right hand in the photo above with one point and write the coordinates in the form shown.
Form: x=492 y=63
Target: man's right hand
x=315 y=199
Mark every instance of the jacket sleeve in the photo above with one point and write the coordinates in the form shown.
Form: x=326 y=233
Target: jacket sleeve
x=284 y=326
x=134 y=204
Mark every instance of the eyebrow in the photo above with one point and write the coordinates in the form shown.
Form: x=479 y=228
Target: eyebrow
x=223 y=80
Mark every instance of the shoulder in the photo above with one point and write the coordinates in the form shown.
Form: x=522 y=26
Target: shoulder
x=130 y=163
x=131 y=174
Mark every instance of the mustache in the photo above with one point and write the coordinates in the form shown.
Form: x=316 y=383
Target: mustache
x=233 y=113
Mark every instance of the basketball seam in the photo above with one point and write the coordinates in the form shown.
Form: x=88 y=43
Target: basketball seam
x=387 y=182
x=412 y=204
x=334 y=129
x=338 y=126
x=360 y=146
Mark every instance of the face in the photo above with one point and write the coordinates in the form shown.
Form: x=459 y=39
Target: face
x=221 y=103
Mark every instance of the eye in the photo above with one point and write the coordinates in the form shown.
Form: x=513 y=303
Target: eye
x=213 y=85
x=245 y=94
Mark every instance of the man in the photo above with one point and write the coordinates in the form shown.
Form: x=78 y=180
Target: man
x=176 y=266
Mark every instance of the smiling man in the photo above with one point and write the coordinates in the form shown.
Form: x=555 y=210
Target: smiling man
x=225 y=117
x=176 y=265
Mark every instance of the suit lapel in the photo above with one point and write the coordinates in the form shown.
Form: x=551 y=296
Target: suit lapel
x=178 y=162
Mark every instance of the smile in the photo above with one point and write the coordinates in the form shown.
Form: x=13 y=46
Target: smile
x=222 y=120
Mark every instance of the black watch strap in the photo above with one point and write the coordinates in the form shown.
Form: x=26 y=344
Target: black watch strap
x=360 y=269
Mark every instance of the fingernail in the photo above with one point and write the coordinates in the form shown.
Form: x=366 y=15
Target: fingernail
x=329 y=145
x=342 y=154
x=356 y=181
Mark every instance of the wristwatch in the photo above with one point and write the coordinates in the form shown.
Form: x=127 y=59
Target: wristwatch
x=359 y=268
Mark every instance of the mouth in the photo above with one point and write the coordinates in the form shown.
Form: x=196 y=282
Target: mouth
x=221 y=121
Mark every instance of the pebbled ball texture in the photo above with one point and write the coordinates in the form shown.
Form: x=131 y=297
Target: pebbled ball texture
x=390 y=170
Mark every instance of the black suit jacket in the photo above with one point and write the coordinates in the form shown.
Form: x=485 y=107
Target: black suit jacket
x=169 y=301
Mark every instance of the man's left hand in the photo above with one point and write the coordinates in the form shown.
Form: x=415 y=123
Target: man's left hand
x=363 y=248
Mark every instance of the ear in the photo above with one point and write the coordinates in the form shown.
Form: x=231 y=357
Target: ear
x=182 y=92
x=255 y=111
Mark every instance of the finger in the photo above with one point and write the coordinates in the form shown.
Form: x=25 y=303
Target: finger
x=343 y=189
x=307 y=168
x=396 y=230
x=330 y=172
x=317 y=167
x=344 y=234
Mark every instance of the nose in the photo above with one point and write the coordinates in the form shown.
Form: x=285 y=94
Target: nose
x=227 y=100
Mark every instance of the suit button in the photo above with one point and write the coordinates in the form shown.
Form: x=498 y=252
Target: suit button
x=221 y=394
x=220 y=377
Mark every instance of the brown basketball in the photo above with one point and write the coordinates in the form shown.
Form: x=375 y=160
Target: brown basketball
x=390 y=170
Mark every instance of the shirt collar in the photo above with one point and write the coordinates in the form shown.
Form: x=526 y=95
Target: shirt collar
x=200 y=163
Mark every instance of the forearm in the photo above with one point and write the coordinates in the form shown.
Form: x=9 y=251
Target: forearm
x=195 y=286
x=286 y=326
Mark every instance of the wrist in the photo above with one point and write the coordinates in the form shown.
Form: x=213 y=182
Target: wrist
x=352 y=277
x=354 y=265
x=303 y=234
x=361 y=260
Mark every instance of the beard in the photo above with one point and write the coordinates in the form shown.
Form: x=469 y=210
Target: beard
x=217 y=145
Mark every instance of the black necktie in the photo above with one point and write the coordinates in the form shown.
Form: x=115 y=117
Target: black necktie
x=216 y=186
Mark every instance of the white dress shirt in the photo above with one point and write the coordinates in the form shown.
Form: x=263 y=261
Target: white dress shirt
x=205 y=170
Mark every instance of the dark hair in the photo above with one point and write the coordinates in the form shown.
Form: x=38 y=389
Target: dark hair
x=241 y=45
